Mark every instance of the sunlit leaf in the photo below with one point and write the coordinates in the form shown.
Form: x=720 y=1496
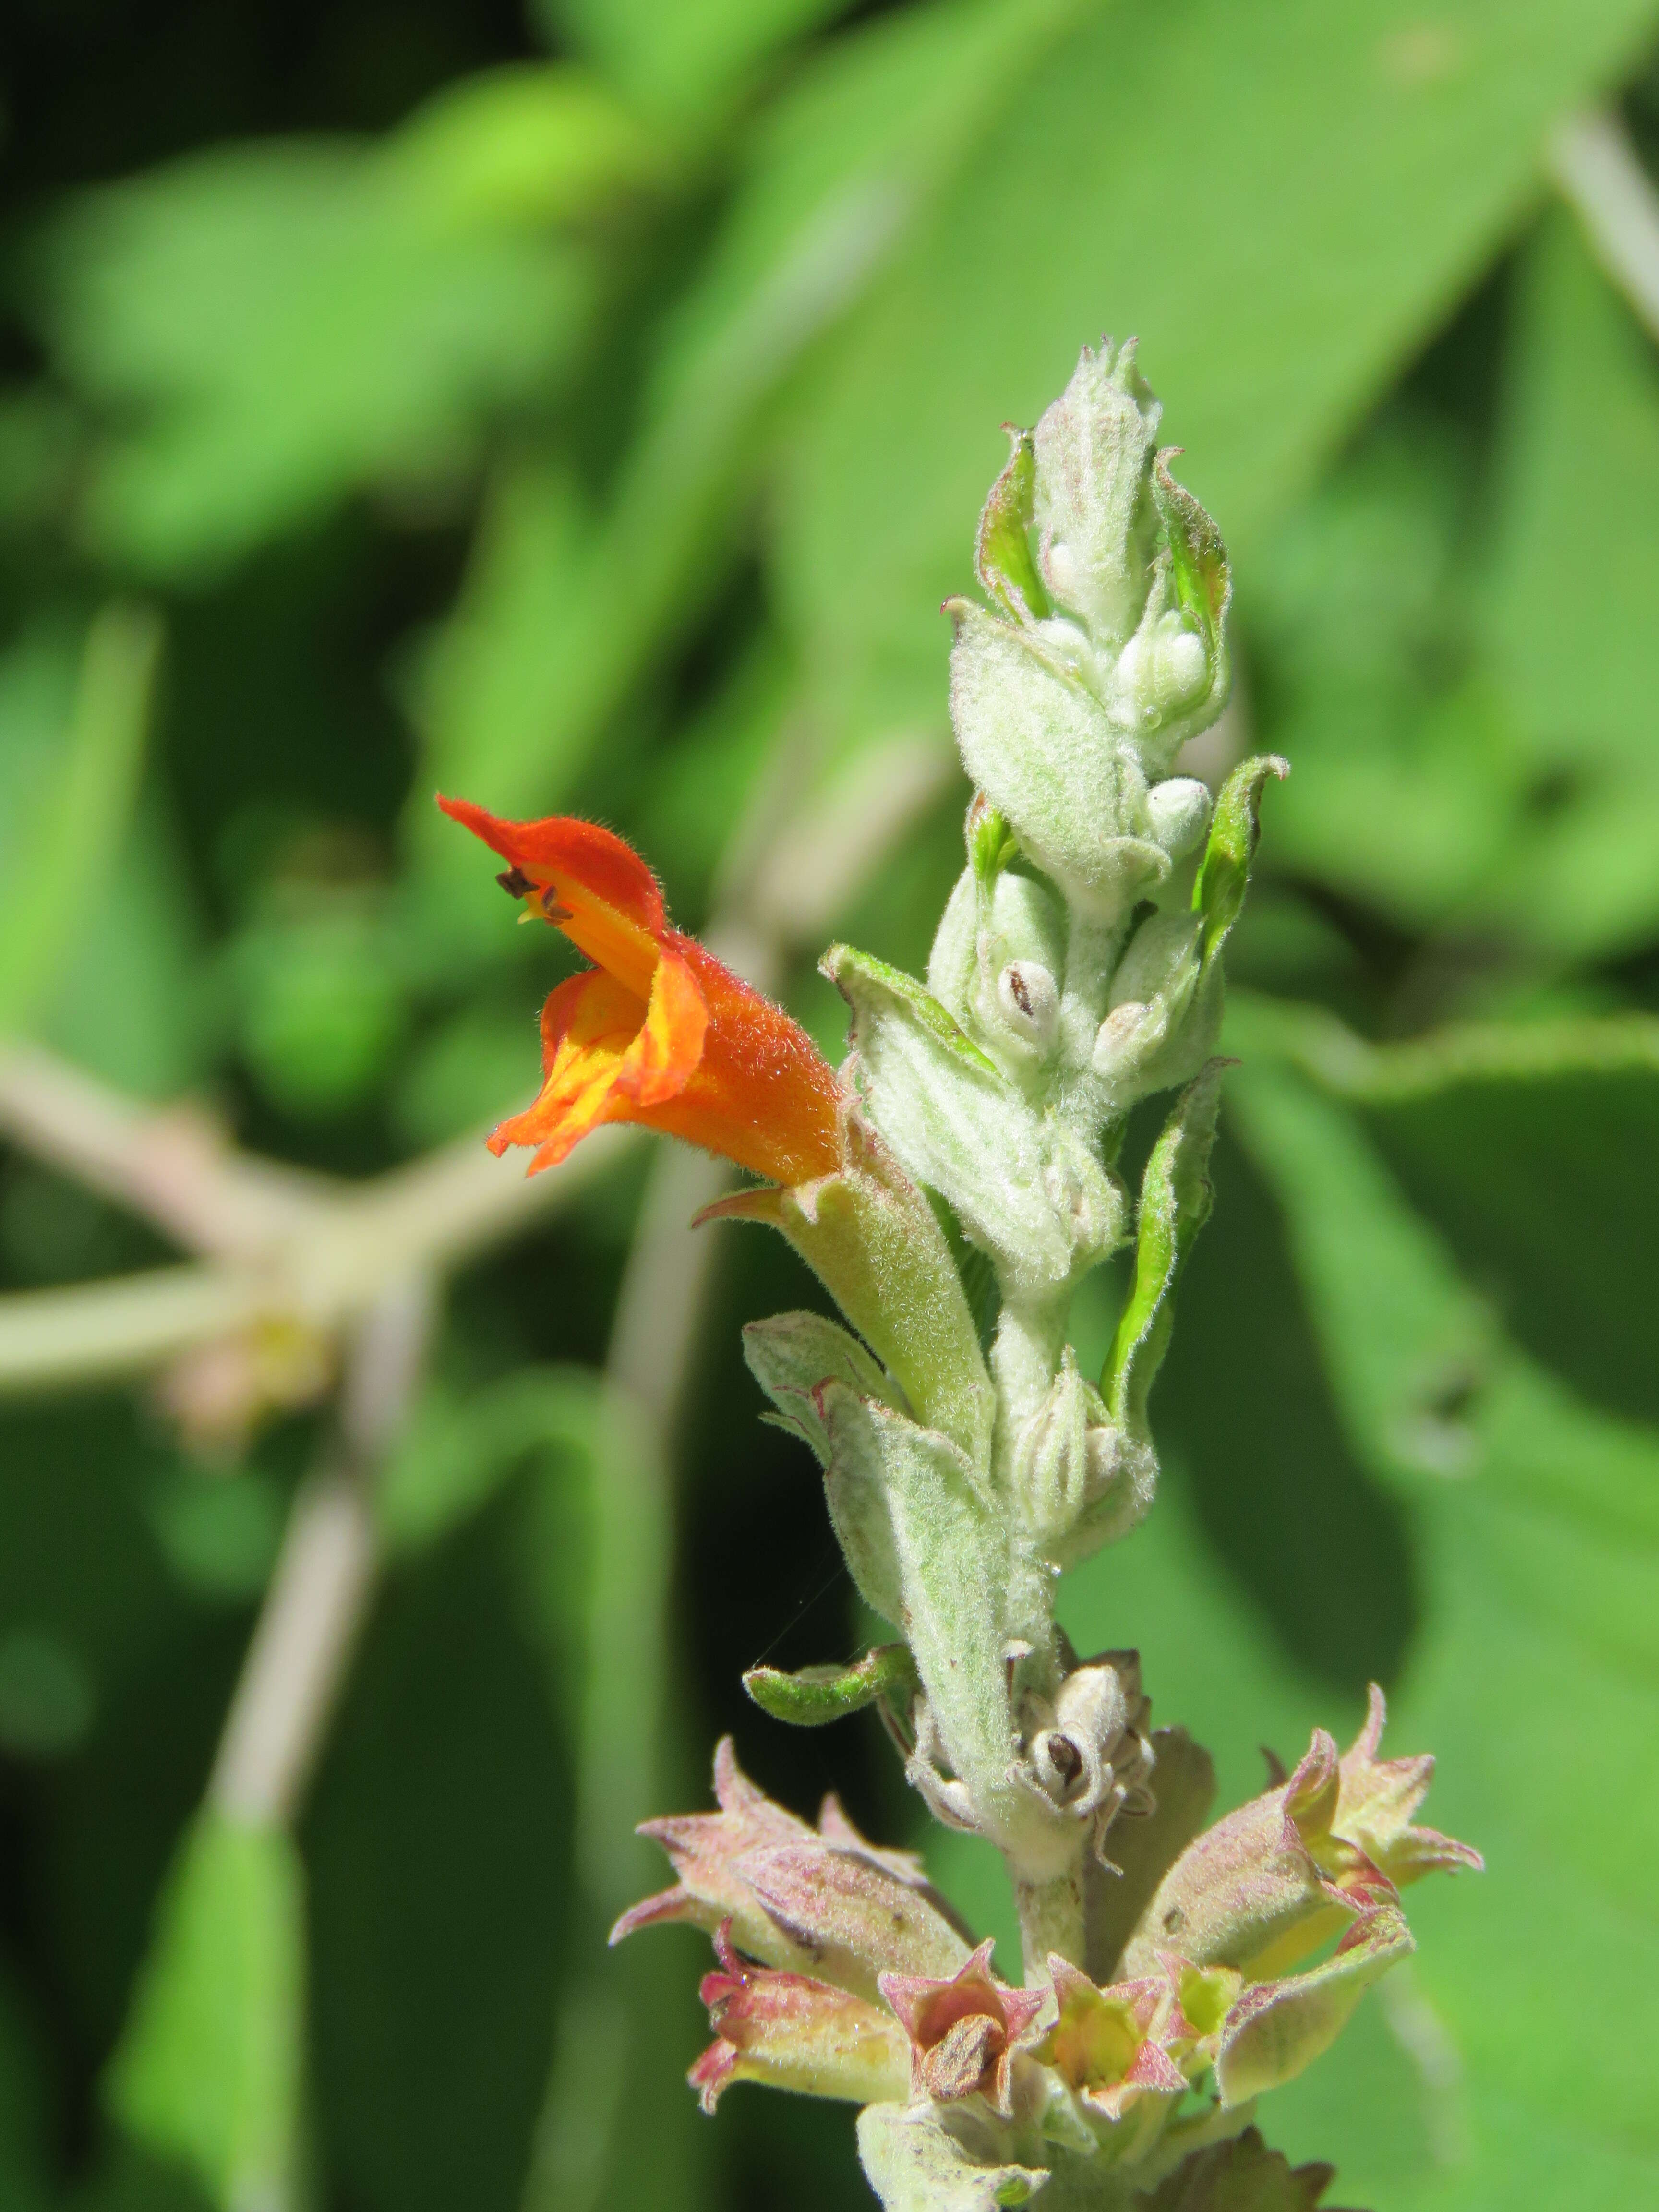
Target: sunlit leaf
x=1375 y=166
x=1542 y=1563
x=835 y=177
x=1573 y=638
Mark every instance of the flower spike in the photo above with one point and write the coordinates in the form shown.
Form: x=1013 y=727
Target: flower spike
x=657 y=1030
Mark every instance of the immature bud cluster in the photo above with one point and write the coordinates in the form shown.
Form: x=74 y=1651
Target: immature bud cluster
x=1108 y=651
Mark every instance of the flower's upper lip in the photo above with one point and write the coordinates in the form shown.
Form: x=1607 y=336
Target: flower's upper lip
x=608 y=903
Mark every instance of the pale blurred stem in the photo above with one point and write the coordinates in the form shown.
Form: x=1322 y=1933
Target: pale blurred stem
x=276 y=1244
x=1462 y=1053
x=1600 y=174
x=319 y=1593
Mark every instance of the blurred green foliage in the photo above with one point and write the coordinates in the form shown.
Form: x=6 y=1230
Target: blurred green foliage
x=590 y=410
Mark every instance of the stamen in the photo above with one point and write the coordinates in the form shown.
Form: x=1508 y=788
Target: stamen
x=514 y=883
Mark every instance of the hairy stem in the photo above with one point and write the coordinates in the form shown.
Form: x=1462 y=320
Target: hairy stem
x=1051 y=1918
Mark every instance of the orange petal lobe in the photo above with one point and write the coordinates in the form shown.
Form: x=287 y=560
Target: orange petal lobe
x=663 y=1057
x=763 y=1094
x=589 y=1026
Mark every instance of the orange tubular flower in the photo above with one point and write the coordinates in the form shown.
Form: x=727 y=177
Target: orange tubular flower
x=657 y=1030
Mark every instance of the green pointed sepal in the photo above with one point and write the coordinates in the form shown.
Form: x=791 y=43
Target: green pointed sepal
x=814 y=1696
x=1003 y=550
x=1166 y=998
x=1199 y=567
x=1175 y=1196
x=1235 y=832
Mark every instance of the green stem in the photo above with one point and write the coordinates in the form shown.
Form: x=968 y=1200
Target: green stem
x=1051 y=1918
x=1024 y=1360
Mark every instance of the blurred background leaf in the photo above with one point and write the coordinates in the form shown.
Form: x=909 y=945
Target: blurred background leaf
x=209 y=2068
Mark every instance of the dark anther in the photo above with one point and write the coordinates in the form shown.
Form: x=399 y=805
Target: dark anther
x=1065 y=1757
x=514 y=883
x=551 y=908
x=1022 y=995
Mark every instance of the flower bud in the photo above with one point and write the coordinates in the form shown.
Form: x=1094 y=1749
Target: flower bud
x=1021 y=953
x=1068 y=1457
x=1163 y=668
x=1163 y=1018
x=1180 y=808
x=1028 y=1000
x=1161 y=963
x=1086 y=1749
x=1094 y=450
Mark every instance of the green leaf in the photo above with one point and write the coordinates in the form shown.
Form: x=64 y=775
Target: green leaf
x=1203 y=579
x=865 y=982
x=134 y=1002
x=81 y=774
x=1378 y=164
x=1573 y=640
x=454 y=1454
x=838 y=171
x=1020 y=1184
x=209 y=2069
x=1241 y=2175
x=1412 y=785
x=953 y=1569
x=597 y=1565
x=1542 y=1564
x=791 y=1356
x=814 y=1696
x=1407 y=1345
x=790 y=1353
x=1175 y=1197
x=484 y=685
x=527 y=143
